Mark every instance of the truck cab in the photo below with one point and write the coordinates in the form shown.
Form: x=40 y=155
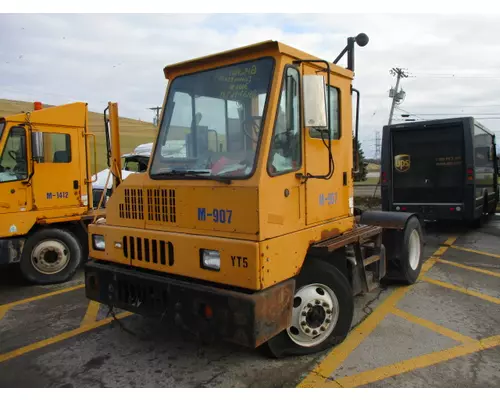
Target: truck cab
x=47 y=158
x=243 y=226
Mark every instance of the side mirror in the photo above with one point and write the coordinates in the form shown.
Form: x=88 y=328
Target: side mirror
x=314 y=101
x=37 y=146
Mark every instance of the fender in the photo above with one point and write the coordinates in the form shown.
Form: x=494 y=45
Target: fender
x=393 y=224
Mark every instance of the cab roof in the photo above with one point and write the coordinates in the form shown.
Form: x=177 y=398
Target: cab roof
x=72 y=114
x=256 y=49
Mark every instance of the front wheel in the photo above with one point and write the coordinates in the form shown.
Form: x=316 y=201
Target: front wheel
x=322 y=313
x=51 y=256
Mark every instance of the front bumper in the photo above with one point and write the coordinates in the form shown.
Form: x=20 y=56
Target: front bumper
x=248 y=319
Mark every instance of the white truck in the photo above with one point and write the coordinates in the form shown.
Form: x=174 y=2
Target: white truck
x=134 y=162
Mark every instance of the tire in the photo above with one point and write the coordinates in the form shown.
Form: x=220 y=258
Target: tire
x=407 y=267
x=493 y=209
x=483 y=217
x=51 y=256
x=317 y=281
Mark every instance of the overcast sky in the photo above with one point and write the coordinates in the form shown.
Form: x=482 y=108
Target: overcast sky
x=454 y=60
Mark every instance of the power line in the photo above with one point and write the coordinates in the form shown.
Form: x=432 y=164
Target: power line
x=452 y=113
x=454 y=76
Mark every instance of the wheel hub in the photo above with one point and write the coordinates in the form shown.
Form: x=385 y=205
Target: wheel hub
x=314 y=315
x=50 y=256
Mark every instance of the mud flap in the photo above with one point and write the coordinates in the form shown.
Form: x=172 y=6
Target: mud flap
x=11 y=250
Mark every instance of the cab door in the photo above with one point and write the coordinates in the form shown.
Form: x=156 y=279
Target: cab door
x=13 y=171
x=57 y=170
x=329 y=198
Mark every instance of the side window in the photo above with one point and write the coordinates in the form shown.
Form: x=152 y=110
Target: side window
x=13 y=161
x=56 y=148
x=285 y=153
x=334 y=116
x=483 y=148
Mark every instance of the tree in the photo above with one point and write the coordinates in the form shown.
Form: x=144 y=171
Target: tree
x=361 y=176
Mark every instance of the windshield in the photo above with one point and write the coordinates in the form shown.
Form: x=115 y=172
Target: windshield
x=13 y=161
x=212 y=122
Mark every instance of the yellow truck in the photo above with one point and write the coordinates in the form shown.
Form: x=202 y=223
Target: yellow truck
x=45 y=188
x=244 y=228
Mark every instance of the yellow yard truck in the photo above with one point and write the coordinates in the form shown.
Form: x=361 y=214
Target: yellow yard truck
x=244 y=228
x=46 y=159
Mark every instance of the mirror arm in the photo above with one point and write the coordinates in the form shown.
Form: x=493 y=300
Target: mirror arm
x=331 y=164
x=356 y=170
x=27 y=182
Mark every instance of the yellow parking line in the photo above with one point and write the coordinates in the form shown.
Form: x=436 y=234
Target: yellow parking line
x=475 y=269
x=63 y=336
x=340 y=353
x=426 y=360
x=450 y=241
x=433 y=327
x=91 y=314
x=3 y=311
x=42 y=296
x=462 y=290
x=483 y=253
x=317 y=381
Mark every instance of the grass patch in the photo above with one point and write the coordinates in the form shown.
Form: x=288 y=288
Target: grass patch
x=367 y=202
x=369 y=181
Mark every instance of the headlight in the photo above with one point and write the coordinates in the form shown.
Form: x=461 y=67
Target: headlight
x=99 y=243
x=210 y=259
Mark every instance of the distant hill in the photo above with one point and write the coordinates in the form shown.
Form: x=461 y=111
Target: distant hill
x=132 y=131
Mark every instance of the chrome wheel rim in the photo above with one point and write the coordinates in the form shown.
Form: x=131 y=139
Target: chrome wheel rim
x=50 y=256
x=314 y=315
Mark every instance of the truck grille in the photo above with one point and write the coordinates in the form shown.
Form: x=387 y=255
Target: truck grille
x=149 y=250
x=161 y=205
x=133 y=207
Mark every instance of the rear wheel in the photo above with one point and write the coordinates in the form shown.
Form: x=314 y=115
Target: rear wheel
x=483 y=216
x=322 y=312
x=493 y=208
x=406 y=268
x=51 y=256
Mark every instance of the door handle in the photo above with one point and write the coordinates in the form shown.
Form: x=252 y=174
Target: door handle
x=5 y=205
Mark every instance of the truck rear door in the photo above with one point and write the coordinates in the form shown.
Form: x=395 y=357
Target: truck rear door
x=428 y=164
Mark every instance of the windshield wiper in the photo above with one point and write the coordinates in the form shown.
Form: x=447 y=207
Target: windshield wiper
x=193 y=174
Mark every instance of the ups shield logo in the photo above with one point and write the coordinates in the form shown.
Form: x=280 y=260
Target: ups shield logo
x=402 y=162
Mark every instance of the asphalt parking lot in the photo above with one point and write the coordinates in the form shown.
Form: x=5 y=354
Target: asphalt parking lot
x=444 y=331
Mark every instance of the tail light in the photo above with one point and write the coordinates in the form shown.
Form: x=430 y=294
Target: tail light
x=37 y=105
x=470 y=174
x=383 y=177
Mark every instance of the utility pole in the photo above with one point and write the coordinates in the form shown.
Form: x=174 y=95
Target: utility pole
x=157 y=118
x=397 y=96
x=377 y=145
